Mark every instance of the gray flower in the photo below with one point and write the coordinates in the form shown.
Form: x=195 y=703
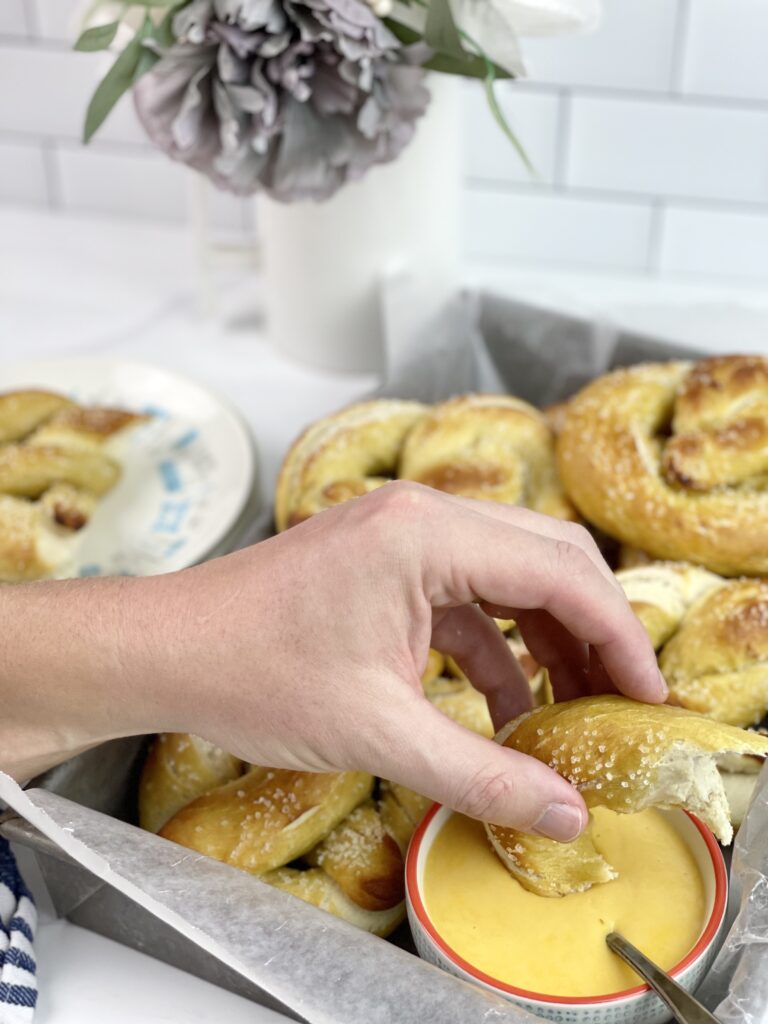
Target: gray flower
x=292 y=97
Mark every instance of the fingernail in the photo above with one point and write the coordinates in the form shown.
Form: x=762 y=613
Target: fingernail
x=560 y=821
x=663 y=688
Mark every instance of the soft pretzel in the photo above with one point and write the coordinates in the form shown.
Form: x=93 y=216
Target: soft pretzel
x=720 y=425
x=179 y=768
x=342 y=456
x=672 y=458
x=493 y=447
x=269 y=817
x=84 y=427
x=32 y=543
x=68 y=506
x=712 y=662
x=661 y=593
x=262 y=821
x=363 y=859
x=625 y=756
x=711 y=634
x=317 y=887
x=53 y=466
x=717 y=661
x=633 y=558
x=22 y=411
x=434 y=667
x=359 y=866
x=28 y=470
x=401 y=811
x=66 y=448
x=459 y=700
x=555 y=416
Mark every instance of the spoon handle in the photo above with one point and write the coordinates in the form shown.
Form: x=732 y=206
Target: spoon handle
x=682 y=1004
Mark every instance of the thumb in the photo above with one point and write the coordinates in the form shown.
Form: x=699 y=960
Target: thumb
x=477 y=777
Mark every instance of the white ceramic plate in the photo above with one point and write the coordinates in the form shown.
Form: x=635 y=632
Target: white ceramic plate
x=188 y=473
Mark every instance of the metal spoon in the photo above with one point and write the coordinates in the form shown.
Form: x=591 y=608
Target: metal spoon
x=682 y=1005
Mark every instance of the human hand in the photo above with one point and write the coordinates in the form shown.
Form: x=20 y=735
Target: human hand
x=306 y=651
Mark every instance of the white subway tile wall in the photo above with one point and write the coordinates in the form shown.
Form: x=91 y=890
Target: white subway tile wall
x=668 y=148
x=489 y=154
x=122 y=182
x=57 y=19
x=725 y=55
x=22 y=172
x=556 y=228
x=726 y=243
x=649 y=138
x=633 y=49
x=13 y=18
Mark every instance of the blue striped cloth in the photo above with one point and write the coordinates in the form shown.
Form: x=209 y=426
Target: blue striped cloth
x=18 y=919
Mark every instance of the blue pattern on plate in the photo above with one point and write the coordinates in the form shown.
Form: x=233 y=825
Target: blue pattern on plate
x=169 y=472
x=171 y=516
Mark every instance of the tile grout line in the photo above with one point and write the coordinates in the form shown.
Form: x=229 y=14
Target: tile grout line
x=679 y=48
x=31 y=21
x=116 y=146
x=526 y=264
x=656 y=235
x=758 y=208
x=563 y=138
x=52 y=175
x=35 y=41
x=657 y=96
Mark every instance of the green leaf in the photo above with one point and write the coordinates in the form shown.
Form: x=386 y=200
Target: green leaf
x=120 y=77
x=440 y=31
x=99 y=37
x=470 y=67
x=147 y=60
x=163 y=33
x=403 y=33
x=502 y=122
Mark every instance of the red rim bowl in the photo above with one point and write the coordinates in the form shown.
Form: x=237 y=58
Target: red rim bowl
x=708 y=934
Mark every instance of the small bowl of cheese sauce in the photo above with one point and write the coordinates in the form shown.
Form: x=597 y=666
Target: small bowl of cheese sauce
x=470 y=916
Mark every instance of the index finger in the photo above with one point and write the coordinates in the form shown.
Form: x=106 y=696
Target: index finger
x=472 y=556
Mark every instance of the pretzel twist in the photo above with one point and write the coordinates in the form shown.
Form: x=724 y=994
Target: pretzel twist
x=342 y=456
x=672 y=458
x=625 y=756
x=712 y=637
x=53 y=467
x=491 y=447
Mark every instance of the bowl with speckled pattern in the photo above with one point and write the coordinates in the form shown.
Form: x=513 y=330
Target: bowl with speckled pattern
x=638 y=1005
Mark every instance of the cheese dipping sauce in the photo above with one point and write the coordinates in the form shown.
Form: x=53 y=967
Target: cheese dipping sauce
x=555 y=946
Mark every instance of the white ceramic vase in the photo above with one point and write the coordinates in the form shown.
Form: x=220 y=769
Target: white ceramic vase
x=324 y=263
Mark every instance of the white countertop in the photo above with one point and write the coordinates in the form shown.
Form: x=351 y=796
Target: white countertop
x=121 y=289
x=85 y=978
